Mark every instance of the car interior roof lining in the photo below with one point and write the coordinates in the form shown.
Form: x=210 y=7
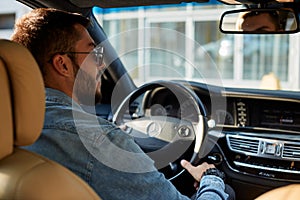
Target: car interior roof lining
x=79 y=4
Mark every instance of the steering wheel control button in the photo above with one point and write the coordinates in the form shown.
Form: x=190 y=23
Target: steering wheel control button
x=184 y=131
x=211 y=123
x=153 y=129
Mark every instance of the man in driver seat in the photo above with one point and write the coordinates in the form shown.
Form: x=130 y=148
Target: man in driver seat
x=95 y=149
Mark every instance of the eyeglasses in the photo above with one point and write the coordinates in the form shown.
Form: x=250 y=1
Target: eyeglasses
x=96 y=52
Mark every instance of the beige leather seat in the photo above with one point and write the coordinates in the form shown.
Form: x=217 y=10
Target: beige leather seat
x=289 y=192
x=26 y=175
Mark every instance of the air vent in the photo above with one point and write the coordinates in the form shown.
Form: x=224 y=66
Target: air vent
x=291 y=150
x=264 y=147
x=243 y=144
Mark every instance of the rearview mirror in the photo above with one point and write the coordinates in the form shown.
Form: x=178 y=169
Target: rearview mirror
x=257 y=21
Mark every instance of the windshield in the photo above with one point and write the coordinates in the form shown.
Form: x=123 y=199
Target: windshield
x=184 y=42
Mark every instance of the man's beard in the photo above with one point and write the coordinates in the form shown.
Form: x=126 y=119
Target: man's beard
x=86 y=87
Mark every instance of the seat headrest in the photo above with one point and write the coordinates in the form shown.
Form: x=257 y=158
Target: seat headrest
x=22 y=97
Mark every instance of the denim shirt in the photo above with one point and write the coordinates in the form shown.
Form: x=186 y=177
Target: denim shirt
x=105 y=157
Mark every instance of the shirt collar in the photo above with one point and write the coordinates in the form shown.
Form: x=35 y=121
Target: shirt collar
x=57 y=96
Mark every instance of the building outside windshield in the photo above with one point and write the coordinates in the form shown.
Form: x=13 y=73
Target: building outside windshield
x=184 y=42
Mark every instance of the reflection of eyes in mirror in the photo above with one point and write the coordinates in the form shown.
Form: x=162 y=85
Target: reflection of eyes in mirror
x=259 y=21
x=268 y=21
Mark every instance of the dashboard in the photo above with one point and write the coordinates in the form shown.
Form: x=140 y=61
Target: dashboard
x=259 y=139
x=256 y=136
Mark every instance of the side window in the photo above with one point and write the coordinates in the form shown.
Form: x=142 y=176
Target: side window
x=7 y=21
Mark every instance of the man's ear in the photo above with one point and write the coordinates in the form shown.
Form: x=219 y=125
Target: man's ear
x=62 y=64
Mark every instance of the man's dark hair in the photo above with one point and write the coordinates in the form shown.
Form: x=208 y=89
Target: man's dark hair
x=46 y=31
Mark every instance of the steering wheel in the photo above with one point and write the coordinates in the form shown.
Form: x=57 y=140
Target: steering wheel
x=166 y=139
